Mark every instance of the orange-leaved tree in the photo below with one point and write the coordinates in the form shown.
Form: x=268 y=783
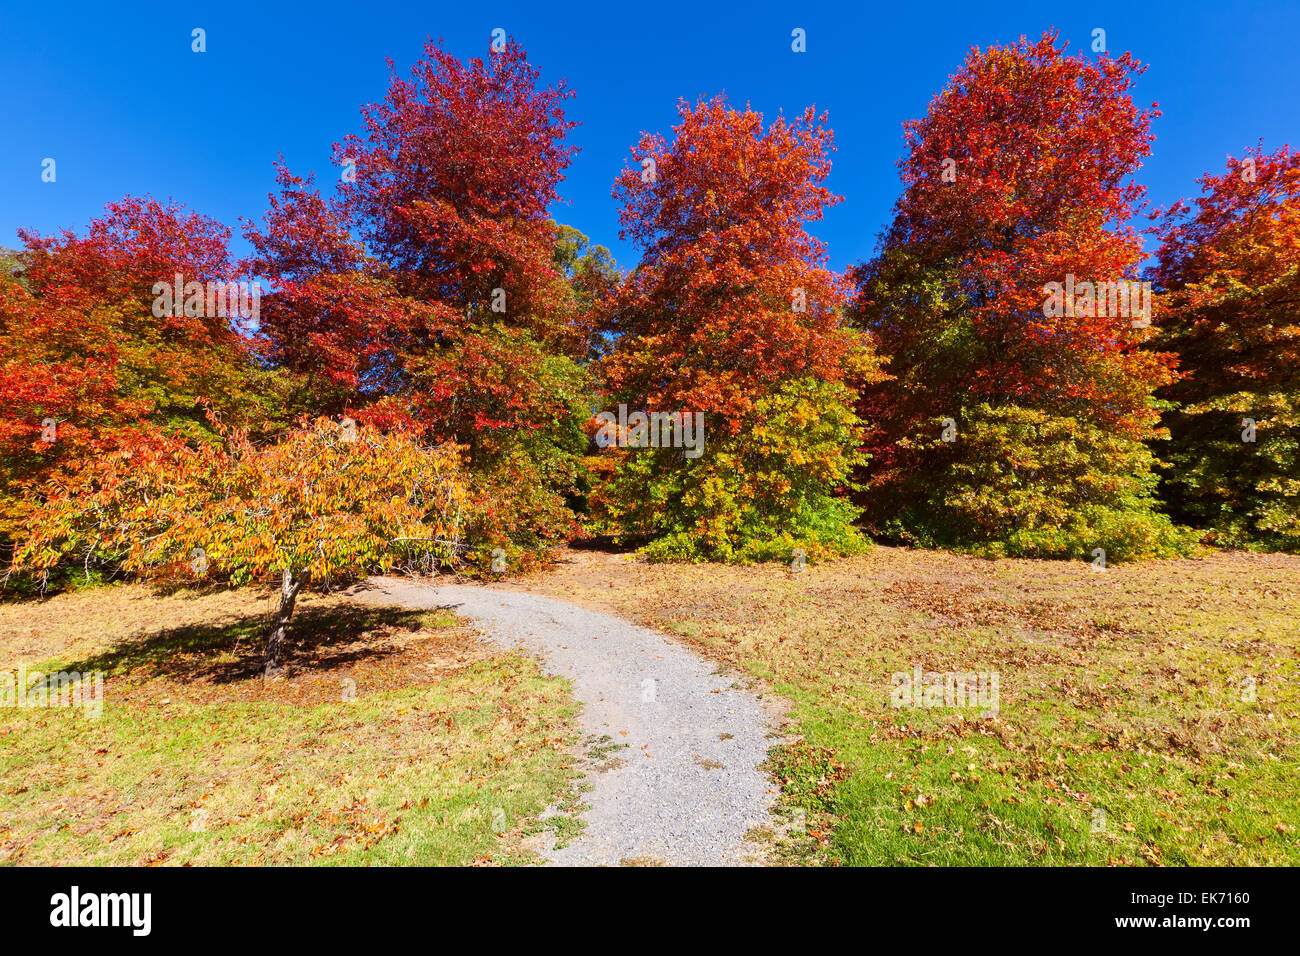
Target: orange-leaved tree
x=322 y=506
x=734 y=316
x=732 y=296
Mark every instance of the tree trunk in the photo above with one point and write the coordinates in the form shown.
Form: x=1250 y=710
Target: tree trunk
x=274 y=655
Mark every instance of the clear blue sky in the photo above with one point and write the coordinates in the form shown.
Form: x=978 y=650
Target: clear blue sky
x=113 y=93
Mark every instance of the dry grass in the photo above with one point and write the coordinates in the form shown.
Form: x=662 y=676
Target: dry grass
x=1125 y=732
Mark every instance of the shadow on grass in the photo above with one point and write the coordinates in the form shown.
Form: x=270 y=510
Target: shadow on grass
x=319 y=639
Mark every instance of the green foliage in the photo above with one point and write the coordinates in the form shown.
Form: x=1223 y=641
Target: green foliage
x=1018 y=482
x=10 y=263
x=525 y=480
x=576 y=258
x=1248 y=493
x=754 y=496
x=517 y=509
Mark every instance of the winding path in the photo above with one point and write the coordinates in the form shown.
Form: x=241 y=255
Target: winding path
x=687 y=786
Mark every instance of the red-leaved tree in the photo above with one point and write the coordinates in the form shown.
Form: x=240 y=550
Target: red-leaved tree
x=1021 y=174
x=733 y=315
x=85 y=357
x=1229 y=271
x=334 y=318
x=732 y=296
x=453 y=178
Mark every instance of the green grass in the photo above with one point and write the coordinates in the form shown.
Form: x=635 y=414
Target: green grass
x=397 y=739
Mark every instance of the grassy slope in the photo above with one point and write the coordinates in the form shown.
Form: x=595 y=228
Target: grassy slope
x=197 y=761
x=1121 y=691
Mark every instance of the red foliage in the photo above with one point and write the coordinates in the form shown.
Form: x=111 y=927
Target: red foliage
x=1039 y=149
x=334 y=316
x=732 y=295
x=80 y=343
x=1228 y=266
x=454 y=177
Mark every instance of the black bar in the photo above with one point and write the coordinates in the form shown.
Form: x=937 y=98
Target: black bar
x=332 y=906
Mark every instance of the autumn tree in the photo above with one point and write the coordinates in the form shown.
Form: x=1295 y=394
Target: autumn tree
x=333 y=318
x=450 y=187
x=453 y=178
x=1019 y=175
x=447 y=310
x=1022 y=482
x=318 y=508
x=86 y=358
x=731 y=303
x=1229 y=270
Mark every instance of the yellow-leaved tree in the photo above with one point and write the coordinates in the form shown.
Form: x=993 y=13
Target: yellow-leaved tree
x=322 y=506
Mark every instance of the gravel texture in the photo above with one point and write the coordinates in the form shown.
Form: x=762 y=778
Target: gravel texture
x=687 y=787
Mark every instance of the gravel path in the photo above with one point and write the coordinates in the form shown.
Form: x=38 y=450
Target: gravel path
x=686 y=788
